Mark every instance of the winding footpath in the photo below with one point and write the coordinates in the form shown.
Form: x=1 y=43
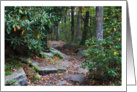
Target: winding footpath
x=64 y=72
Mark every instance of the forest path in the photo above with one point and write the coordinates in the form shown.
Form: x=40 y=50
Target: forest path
x=74 y=74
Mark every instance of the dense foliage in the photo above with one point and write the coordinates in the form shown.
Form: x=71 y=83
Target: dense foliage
x=28 y=26
x=104 y=57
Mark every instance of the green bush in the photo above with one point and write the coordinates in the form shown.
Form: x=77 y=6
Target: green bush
x=28 y=26
x=104 y=56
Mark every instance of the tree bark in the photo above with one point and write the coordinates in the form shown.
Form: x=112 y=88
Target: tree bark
x=91 y=33
x=62 y=24
x=99 y=22
x=78 y=24
x=58 y=32
x=72 y=23
x=52 y=34
x=45 y=39
x=84 y=34
x=65 y=31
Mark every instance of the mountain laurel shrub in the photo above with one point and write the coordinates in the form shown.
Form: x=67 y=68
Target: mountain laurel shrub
x=104 y=57
x=28 y=26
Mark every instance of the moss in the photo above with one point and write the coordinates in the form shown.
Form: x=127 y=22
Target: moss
x=11 y=64
x=36 y=77
x=29 y=62
x=8 y=72
x=44 y=56
x=58 y=55
x=60 y=71
x=11 y=81
x=37 y=68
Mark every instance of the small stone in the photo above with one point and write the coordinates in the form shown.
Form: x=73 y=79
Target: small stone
x=75 y=66
x=64 y=63
x=64 y=56
x=80 y=78
x=69 y=46
x=61 y=82
x=47 y=70
x=81 y=70
x=80 y=54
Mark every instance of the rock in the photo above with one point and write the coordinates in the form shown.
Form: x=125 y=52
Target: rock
x=24 y=59
x=81 y=70
x=80 y=54
x=75 y=78
x=78 y=78
x=64 y=63
x=64 y=56
x=59 y=48
x=17 y=79
x=21 y=82
x=62 y=82
x=69 y=46
x=67 y=77
x=75 y=66
x=61 y=69
x=50 y=84
x=51 y=69
x=50 y=55
x=48 y=68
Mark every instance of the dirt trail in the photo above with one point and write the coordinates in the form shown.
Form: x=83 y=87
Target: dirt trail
x=56 y=79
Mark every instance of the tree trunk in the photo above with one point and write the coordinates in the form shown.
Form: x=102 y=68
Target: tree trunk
x=72 y=23
x=91 y=33
x=99 y=22
x=84 y=34
x=46 y=40
x=78 y=24
x=62 y=24
x=58 y=32
x=65 y=31
x=52 y=34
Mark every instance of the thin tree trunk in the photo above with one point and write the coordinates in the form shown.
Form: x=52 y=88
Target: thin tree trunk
x=46 y=40
x=65 y=31
x=84 y=34
x=99 y=22
x=91 y=27
x=78 y=24
x=72 y=23
x=52 y=34
x=62 y=24
x=58 y=32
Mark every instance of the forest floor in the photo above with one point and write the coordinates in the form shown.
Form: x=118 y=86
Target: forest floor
x=74 y=74
x=57 y=79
